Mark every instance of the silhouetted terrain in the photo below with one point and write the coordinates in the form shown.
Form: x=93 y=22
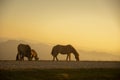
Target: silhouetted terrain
x=61 y=70
x=8 y=51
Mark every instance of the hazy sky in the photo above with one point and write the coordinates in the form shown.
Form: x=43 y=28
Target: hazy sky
x=86 y=24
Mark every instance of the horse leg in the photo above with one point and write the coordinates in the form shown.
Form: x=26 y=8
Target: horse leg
x=17 y=57
x=21 y=57
x=30 y=57
x=56 y=58
x=67 y=57
x=53 y=58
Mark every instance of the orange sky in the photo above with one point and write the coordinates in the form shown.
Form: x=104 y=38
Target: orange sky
x=87 y=24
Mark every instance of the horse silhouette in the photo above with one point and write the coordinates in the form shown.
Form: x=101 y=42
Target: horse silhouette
x=24 y=50
x=34 y=54
x=64 y=49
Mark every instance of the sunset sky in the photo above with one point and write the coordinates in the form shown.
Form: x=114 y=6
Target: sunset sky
x=87 y=24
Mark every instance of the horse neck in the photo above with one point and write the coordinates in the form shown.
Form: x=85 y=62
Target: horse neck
x=75 y=53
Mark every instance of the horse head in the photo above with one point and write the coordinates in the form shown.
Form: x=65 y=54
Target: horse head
x=36 y=58
x=34 y=54
x=77 y=58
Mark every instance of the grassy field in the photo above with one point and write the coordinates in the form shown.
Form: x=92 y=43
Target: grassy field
x=61 y=70
x=60 y=74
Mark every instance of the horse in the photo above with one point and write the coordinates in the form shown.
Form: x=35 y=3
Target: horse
x=24 y=50
x=34 y=54
x=64 y=49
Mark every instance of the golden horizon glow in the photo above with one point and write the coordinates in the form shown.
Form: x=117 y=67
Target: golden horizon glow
x=87 y=24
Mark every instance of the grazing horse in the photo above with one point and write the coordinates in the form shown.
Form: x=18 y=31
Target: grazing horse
x=34 y=54
x=67 y=49
x=24 y=50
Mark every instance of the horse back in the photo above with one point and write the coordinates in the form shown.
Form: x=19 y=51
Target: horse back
x=63 y=49
x=24 y=49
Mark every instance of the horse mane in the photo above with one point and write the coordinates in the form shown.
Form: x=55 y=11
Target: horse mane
x=73 y=50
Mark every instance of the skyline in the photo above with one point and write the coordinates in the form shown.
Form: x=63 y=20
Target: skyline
x=90 y=25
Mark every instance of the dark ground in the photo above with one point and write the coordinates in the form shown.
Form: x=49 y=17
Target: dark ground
x=60 y=74
x=62 y=70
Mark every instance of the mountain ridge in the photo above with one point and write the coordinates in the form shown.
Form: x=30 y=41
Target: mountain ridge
x=8 y=51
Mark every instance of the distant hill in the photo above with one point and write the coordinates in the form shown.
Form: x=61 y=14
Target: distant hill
x=8 y=51
x=98 y=56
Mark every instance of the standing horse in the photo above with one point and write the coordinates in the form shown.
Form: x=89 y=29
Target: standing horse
x=34 y=54
x=68 y=49
x=23 y=51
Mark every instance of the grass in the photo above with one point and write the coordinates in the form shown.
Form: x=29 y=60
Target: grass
x=61 y=74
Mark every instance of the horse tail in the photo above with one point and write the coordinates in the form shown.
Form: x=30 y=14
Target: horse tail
x=55 y=51
x=52 y=52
